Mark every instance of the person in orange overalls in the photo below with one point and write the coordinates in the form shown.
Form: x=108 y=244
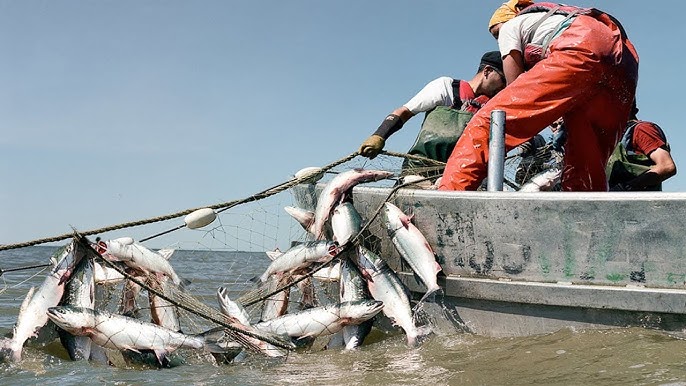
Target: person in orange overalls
x=559 y=61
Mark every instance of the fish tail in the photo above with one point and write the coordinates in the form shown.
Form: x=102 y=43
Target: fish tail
x=9 y=351
x=430 y=295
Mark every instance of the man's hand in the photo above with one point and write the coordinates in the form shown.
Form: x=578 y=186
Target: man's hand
x=372 y=146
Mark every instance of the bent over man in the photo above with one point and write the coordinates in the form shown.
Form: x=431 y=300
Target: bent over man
x=449 y=104
x=642 y=159
x=559 y=61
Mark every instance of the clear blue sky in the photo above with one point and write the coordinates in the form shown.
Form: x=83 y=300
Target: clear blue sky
x=112 y=111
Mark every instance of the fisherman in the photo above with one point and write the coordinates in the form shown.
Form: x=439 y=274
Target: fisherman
x=570 y=62
x=449 y=104
x=642 y=159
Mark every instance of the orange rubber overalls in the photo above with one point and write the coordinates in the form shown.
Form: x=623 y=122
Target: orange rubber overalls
x=589 y=78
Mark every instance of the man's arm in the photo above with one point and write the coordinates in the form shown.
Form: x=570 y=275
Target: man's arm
x=663 y=169
x=513 y=65
x=435 y=93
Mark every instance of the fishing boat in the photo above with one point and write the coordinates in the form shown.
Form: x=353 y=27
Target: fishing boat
x=517 y=264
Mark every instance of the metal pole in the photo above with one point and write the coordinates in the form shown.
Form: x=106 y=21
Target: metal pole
x=496 y=152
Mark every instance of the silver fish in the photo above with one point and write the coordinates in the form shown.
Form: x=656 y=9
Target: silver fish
x=304 y=217
x=346 y=223
x=239 y=318
x=412 y=246
x=384 y=285
x=276 y=304
x=301 y=256
x=230 y=308
x=163 y=312
x=138 y=257
x=104 y=274
x=80 y=292
x=323 y=320
x=353 y=287
x=330 y=273
x=33 y=311
x=334 y=191
x=121 y=332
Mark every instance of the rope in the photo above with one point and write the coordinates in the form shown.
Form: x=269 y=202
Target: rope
x=2 y=271
x=222 y=206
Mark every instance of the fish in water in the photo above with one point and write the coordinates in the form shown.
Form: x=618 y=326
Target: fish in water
x=80 y=292
x=384 y=285
x=122 y=333
x=323 y=320
x=412 y=246
x=353 y=287
x=236 y=312
x=33 y=310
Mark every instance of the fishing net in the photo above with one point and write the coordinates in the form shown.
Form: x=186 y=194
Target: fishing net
x=230 y=253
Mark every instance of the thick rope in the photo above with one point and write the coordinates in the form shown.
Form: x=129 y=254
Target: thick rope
x=222 y=206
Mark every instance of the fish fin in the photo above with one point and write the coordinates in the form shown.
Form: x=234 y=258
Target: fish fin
x=161 y=356
x=437 y=267
x=429 y=295
x=304 y=217
x=166 y=253
x=273 y=255
x=406 y=221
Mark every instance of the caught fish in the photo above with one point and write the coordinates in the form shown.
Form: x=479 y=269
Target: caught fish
x=304 y=217
x=353 y=287
x=121 y=332
x=104 y=274
x=543 y=181
x=329 y=273
x=301 y=256
x=346 y=223
x=334 y=191
x=236 y=312
x=276 y=304
x=412 y=246
x=79 y=292
x=33 y=311
x=230 y=308
x=138 y=257
x=323 y=320
x=163 y=312
x=384 y=285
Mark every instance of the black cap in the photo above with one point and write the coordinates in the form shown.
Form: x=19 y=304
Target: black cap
x=493 y=59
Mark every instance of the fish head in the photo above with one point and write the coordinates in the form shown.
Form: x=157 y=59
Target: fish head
x=72 y=319
x=358 y=311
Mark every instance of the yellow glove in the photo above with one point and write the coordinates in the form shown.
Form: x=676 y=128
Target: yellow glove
x=372 y=146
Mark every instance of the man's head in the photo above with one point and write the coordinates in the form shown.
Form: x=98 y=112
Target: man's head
x=490 y=74
x=504 y=13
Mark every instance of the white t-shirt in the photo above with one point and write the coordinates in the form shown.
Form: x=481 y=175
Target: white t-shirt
x=514 y=32
x=438 y=92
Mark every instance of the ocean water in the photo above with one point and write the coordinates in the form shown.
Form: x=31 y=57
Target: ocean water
x=568 y=357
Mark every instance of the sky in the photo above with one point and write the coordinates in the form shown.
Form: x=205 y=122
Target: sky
x=113 y=111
